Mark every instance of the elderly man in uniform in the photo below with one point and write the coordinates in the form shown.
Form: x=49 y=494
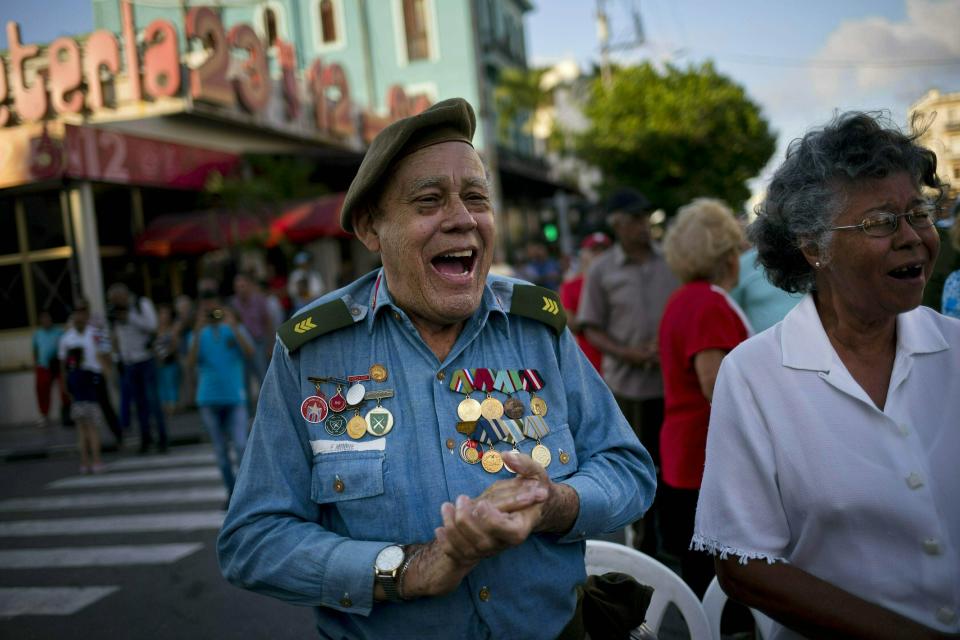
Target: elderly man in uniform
x=431 y=448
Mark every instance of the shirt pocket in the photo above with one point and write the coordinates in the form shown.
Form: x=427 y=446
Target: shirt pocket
x=346 y=476
x=560 y=443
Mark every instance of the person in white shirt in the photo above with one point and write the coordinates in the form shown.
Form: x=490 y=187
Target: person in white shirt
x=830 y=492
x=133 y=320
x=84 y=361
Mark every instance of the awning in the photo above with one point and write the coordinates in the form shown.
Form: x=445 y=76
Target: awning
x=306 y=221
x=198 y=232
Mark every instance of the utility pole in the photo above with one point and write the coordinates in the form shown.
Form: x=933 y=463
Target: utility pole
x=603 y=35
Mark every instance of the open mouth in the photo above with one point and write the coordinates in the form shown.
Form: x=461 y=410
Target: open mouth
x=455 y=263
x=908 y=272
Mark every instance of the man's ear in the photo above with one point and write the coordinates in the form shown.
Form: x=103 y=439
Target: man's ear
x=365 y=228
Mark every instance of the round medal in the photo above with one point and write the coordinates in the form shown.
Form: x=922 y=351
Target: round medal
x=491 y=408
x=542 y=455
x=357 y=427
x=469 y=410
x=538 y=406
x=564 y=457
x=492 y=461
x=314 y=409
x=379 y=421
x=355 y=394
x=378 y=373
x=469 y=454
x=337 y=403
x=335 y=425
x=505 y=465
x=513 y=408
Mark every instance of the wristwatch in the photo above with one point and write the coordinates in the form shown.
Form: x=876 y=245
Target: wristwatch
x=388 y=569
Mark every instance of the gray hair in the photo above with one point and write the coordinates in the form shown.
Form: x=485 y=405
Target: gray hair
x=808 y=190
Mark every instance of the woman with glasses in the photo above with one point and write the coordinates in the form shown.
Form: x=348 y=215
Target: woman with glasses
x=830 y=492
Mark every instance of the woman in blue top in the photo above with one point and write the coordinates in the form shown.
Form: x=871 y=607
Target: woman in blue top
x=951 y=288
x=218 y=347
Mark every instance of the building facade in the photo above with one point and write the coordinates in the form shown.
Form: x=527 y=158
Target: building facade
x=940 y=114
x=108 y=134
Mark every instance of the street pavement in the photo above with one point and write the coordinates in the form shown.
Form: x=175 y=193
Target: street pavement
x=126 y=554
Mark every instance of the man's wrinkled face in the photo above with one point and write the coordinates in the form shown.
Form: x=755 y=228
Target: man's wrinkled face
x=434 y=230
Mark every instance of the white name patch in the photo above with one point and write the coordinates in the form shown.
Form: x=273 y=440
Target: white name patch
x=338 y=446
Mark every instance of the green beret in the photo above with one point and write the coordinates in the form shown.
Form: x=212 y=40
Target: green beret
x=450 y=120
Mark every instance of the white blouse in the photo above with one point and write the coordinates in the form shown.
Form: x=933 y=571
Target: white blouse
x=803 y=467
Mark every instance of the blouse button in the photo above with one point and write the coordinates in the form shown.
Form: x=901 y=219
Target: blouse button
x=946 y=615
x=914 y=481
x=932 y=546
x=904 y=429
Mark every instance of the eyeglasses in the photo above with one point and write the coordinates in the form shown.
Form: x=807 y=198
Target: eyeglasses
x=884 y=224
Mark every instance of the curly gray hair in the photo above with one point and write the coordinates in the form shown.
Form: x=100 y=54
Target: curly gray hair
x=807 y=191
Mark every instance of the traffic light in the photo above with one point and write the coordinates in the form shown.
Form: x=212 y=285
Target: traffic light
x=550 y=232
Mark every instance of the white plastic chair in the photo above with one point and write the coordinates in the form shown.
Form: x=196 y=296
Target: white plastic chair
x=714 y=600
x=605 y=556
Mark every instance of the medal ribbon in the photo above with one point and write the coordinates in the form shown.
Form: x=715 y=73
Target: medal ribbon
x=461 y=381
x=535 y=427
x=514 y=430
x=483 y=380
x=531 y=380
x=488 y=433
x=504 y=381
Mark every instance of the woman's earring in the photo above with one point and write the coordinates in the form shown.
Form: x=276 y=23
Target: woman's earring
x=816 y=265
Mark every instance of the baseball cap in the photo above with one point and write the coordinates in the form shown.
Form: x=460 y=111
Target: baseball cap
x=596 y=240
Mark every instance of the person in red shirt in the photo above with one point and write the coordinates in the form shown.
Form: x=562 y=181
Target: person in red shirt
x=592 y=246
x=700 y=325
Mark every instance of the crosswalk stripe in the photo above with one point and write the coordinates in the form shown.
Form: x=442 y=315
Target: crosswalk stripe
x=177 y=521
x=49 y=601
x=162 y=461
x=144 y=477
x=102 y=556
x=115 y=499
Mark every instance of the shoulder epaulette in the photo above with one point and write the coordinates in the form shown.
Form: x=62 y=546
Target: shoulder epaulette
x=539 y=303
x=317 y=321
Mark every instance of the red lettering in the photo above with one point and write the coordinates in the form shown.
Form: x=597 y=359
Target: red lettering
x=101 y=51
x=161 y=60
x=288 y=64
x=66 y=76
x=397 y=102
x=316 y=88
x=253 y=84
x=209 y=80
x=4 y=94
x=130 y=50
x=336 y=89
x=31 y=101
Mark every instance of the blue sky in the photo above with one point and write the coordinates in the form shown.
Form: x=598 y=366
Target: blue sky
x=799 y=60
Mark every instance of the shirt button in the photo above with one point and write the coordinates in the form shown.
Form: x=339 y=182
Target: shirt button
x=441 y=375
x=338 y=485
x=484 y=594
x=450 y=443
x=932 y=546
x=946 y=615
x=354 y=311
x=396 y=316
x=914 y=481
x=346 y=602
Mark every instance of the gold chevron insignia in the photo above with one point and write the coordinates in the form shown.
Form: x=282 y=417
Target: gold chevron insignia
x=550 y=306
x=304 y=325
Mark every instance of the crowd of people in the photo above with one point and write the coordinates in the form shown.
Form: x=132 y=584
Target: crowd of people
x=770 y=406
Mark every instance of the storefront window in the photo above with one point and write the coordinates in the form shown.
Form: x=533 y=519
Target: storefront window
x=52 y=288
x=8 y=228
x=44 y=220
x=12 y=297
x=114 y=217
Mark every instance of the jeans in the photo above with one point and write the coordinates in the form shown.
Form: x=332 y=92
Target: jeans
x=140 y=381
x=226 y=423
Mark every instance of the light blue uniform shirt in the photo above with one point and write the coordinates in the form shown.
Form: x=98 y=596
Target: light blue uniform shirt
x=220 y=366
x=290 y=534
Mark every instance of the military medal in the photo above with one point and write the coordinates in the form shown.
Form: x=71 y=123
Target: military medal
x=335 y=425
x=357 y=427
x=533 y=382
x=379 y=420
x=513 y=408
x=564 y=457
x=378 y=373
x=490 y=408
x=514 y=434
x=491 y=461
x=462 y=382
x=337 y=402
x=508 y=381
x=469 y=452
x=536 y=427
x=314 y=408
x=355 y=394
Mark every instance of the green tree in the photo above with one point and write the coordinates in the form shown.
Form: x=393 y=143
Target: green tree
x=675 y=134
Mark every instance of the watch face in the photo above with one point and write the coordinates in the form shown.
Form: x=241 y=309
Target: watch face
x=389 y=559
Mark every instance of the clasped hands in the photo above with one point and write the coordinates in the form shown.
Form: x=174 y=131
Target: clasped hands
x=503 y=516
